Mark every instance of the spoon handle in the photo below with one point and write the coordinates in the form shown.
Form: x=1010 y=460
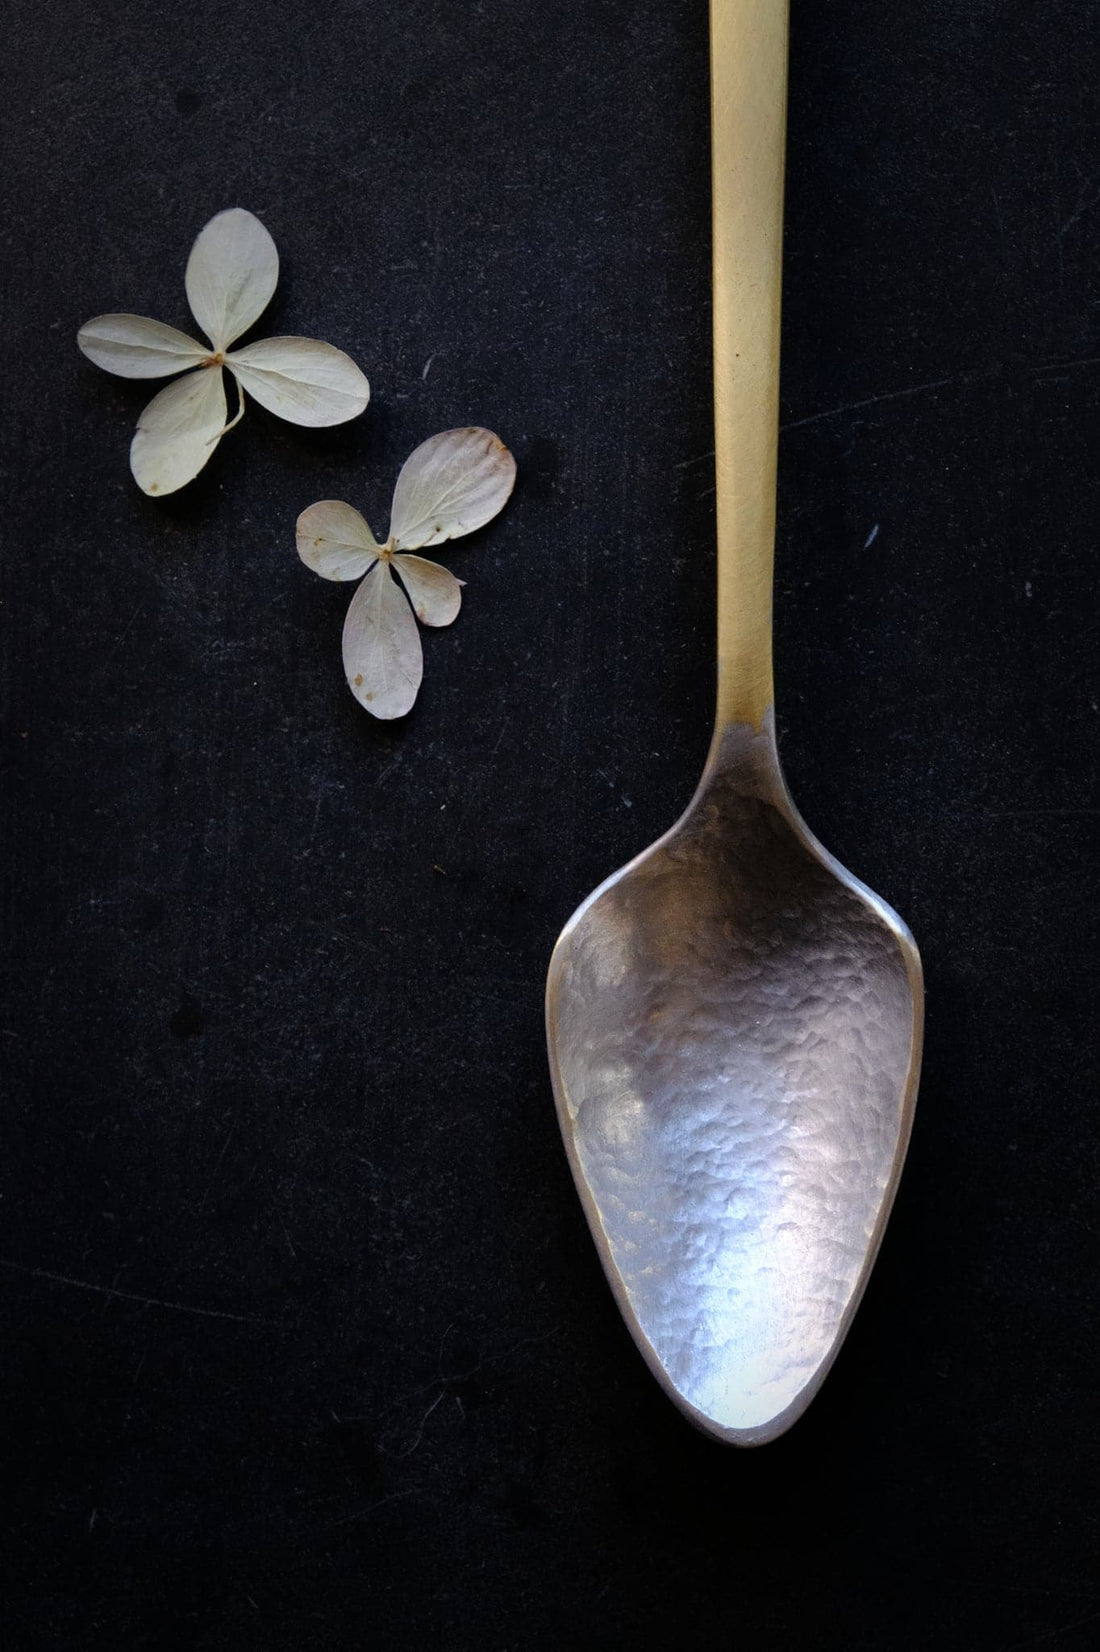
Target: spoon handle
x=748 y=132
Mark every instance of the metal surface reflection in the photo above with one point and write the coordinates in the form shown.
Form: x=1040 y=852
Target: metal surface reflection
x=734 y=1029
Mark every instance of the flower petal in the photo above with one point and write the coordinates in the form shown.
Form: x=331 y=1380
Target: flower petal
x=231 y=274
x=178 y=432
x=335 y=541
x=301 y=379
x=382 y=657
x=137 y=348
x=436 y=595
x=453 y=483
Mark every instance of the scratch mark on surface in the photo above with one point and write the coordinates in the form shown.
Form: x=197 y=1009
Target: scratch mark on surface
x=387 y=769
x=1075 y=361
x=871 y=537
x=316 y=818
x=603 y=774
x=361 y=1514
x=891 y=396
x=217 y=1167
x=1030 y=814
x=1088 y=198
x=971 y=377
x=1052 y=1634
x=130 y=1296
x=133 y=1389
x=409 y=1449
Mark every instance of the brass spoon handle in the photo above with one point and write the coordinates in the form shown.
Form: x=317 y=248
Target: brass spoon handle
x=748 y=133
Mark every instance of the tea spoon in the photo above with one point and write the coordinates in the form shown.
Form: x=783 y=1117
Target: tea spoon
x=734 y=1020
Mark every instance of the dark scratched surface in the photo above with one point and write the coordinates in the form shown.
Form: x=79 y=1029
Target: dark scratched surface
x=305 y=1345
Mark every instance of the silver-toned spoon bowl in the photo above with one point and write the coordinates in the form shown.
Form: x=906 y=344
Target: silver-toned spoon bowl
x=734 y=1020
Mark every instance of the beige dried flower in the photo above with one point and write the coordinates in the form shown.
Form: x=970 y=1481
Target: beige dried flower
x=231 y=274
x=453 y=483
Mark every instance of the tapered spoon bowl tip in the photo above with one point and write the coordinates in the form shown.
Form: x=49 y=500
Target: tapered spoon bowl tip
x=734 y=1025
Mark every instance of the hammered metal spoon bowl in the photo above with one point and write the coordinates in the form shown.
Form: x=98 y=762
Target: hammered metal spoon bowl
x=734 y=1020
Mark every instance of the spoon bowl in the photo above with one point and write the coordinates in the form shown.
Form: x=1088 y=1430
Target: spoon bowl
x=734 y=1026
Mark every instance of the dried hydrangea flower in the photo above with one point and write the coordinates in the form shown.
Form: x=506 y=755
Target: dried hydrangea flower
x=453 y=483
x=231 y=275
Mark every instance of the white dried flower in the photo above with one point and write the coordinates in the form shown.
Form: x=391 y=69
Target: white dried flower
x=453 y=483
x=231 y=275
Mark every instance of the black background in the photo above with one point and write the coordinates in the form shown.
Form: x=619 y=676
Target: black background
x=306 y=1343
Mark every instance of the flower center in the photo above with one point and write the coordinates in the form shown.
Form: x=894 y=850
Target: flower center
x=216 y=360
x=386 y=553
